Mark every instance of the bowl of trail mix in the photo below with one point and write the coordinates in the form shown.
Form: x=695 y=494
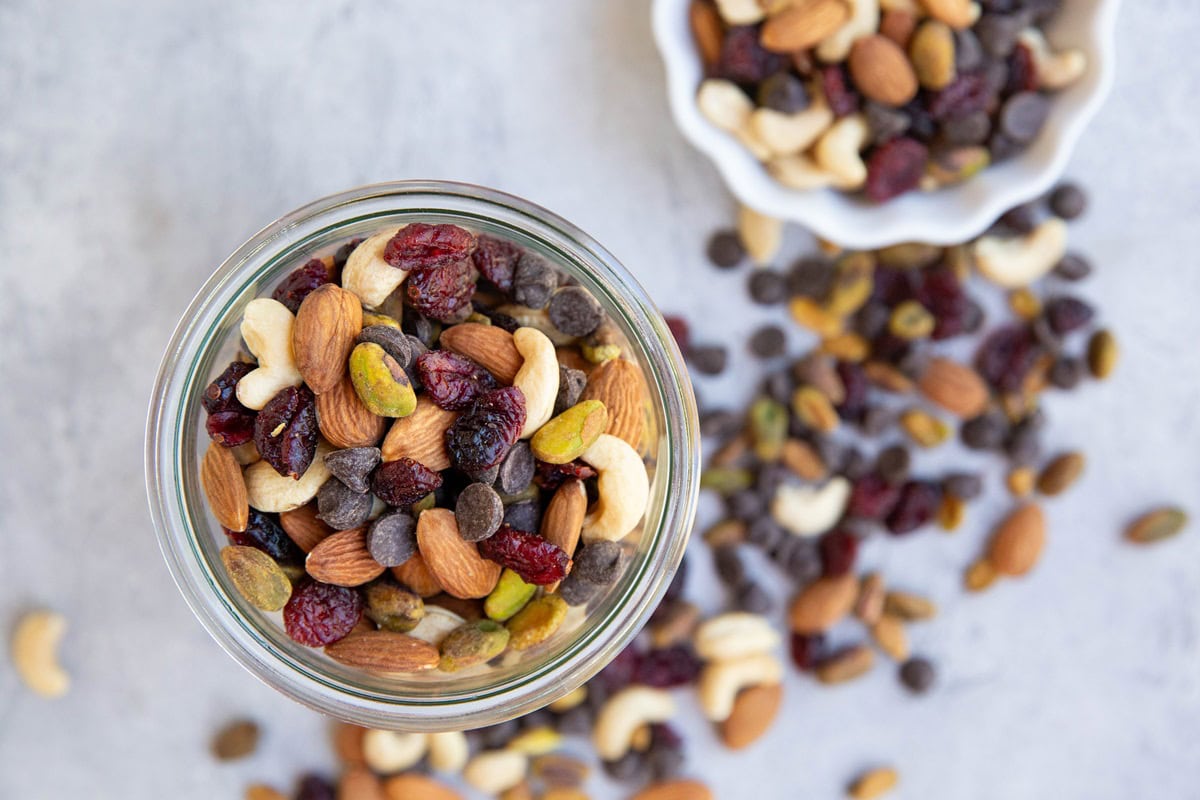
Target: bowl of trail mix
x=422 y=456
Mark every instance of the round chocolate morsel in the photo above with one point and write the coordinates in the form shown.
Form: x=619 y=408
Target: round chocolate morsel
x=478 y=512
x=576 y=591
x=768 y=341
x=918 y=674
x=753 y=598
x=731 y=569
x=710 y=359
x=1067 y=372
x=893 y=464
x=516 y=470
x=391 y=539
x=574 y=311
x=1068 y=201
x=985 y=432
x=963 y=485
x=783 y=92
x=571 y=383
x=1023 y=115
x=393 y=341
x=598 y=562
x=340 y=507
x=766 y=286
x=533 y=281
x=523 y=516
x=725 y=250
x=810 y=277
x=353 y=466
x=1073 y=267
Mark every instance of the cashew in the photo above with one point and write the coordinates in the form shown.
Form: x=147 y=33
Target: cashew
x=246 y=454
x=734 y=635
x=1054 y=70
x=537 y=318
x=723 y=104
x=368 y=275
x=537 y=378
x=761 y=235
x=448 y=751
x=863 y=21
x=623 y=488
x=35 y=653
x=785 y=134
x=1020 y=260
x=720 y=682
x=436 y=625
x=624 y=713
x=740 y=12
x=391 y=751
x=799 y=172
x=838 y=149
x=810 y=511
x=269 y=491
x=267 y=329
x=751 y=141
x=494 y=771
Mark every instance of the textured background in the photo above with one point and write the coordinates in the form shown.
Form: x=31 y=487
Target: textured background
x=140 y=142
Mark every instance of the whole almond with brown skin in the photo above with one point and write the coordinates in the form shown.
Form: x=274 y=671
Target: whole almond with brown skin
x=359 y=783
x=1061 y=473
x=823 y=603
x=343 y=559
x=348 y=743
x=416 y=575
x=1018 y=541
x=955 y=387
x=802 y=459
x=327 y=323
x=421 y=436
x=882 y=71
x=457 y=564
x=344 y=420
x=302 y=527
x=707 y=30
x=563 y=520
x=384 y=651
x=958 y=14
x=754 y=711
x=225 y=488
x=619 y=384
x=679 y=789
x=890 y=636
x=868 y=606
x=414 y=786
x=487 y=345
x=803 y=24
x=908 y=606
x=851 y=663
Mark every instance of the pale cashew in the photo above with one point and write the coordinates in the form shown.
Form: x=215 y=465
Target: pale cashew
x=761 y=235
x=808 y=510
x=35 y=653
x=269 y=491
x=838 y=150
x=1013 y=262
x=267 y=329
x=436 y=625
x=246 y=454
x=723 y=104
x=785 y=134
x=740 y=12
x=751 y=141
x=800 y=172
x=495 y=771
x=623 y=488
x=734 y=635
x=368 y=275
x=1054 y=70
x=624 y=713
x=391 y=751
x=863 y=21
x=720 y=682
x=448 y=751
x=539 y=319
x=537 y=378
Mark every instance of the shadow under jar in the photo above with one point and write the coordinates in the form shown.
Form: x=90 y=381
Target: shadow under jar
x=515 y=682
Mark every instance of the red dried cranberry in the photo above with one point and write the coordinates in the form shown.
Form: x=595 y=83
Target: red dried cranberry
x=893 y=286
x=854 y=403
x=453 y=381
x=443 y=293
x=836 y=85
x=1006 y=356
x=667 y=667
x=872 y=497
x=230 y=428
x=744 y=60
x=680 y=330
x=551 y=476
x=403 y=482
x=479 y=439
x=968 y=94
x=318 y=614
x=1022 y=71
x=229 y=422
x=1066 y=314
x=807 y=651
x=894 y=168
x=496 y=259
x=535 y=559
x=941 y=292
x=918 y=504
x=314 y=787
x=839 y=550
x=300 y=283
x=264 y=532
x=420 y=246
x=285 y=431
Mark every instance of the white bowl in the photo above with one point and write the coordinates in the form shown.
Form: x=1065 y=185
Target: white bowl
x=946 y=216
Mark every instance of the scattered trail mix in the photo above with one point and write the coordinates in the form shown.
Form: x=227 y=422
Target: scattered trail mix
x=880 y=97
x=435 y=455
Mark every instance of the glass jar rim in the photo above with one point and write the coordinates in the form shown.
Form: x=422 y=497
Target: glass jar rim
x=168 y=500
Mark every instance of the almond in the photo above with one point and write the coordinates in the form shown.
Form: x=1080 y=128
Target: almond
x=882 y=71
x=851 y=663
x=955 y=387
x=753 y=712
x=344 y=420
x=802 y=459
x=414 y=785
x=868 y=606
x=1018 y=541
x=563 y=520
x=343 y=559
x=619 y=384
x=457 y=564
x=302 y=527
x=707 y=30
x=327 y=323
x=225 y=488
x=489 y=346
x=908 y=606
x=359 y=783
x=421 y=436
x=958 y=14
x=890 y=636
x=1061 y=473
x=384 y=651
x=823 y=603
x=675 y=790
x=803 y=24
x=415 y=574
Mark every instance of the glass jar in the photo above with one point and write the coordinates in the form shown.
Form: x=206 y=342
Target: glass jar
x=207 y=339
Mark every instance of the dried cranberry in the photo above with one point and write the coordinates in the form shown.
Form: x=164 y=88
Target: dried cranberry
x=404 y=481
x=285 y=431
x=893 y=286
x=551 y=476
x=966 y=95
x=453 y=381
x=300 y=283
x=318 y=614
x=839 y=550
x=420 y=246
x=620 y=671
x=667 y=667
x=894 y=168
x=941 y=292
x=496 y=259
x=841 y=98
x=918 y=504
x=229 y=422
x=443 y=293
x=807 y=651
x=854 y=403
x=314 y=787
x=264 y=532
x=744 y=60
x=480 y=438
x=535 y=559
x=230 y=428
x=680 y=330
x=872 y=497
x=1066 y=314
x=1006 y=356
x=1022 y=71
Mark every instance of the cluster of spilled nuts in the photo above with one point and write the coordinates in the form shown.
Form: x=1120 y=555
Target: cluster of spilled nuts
x=435 y=457
x=879 y=96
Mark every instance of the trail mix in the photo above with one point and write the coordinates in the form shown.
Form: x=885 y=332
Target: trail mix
x=435 y=455
x=879 y=97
